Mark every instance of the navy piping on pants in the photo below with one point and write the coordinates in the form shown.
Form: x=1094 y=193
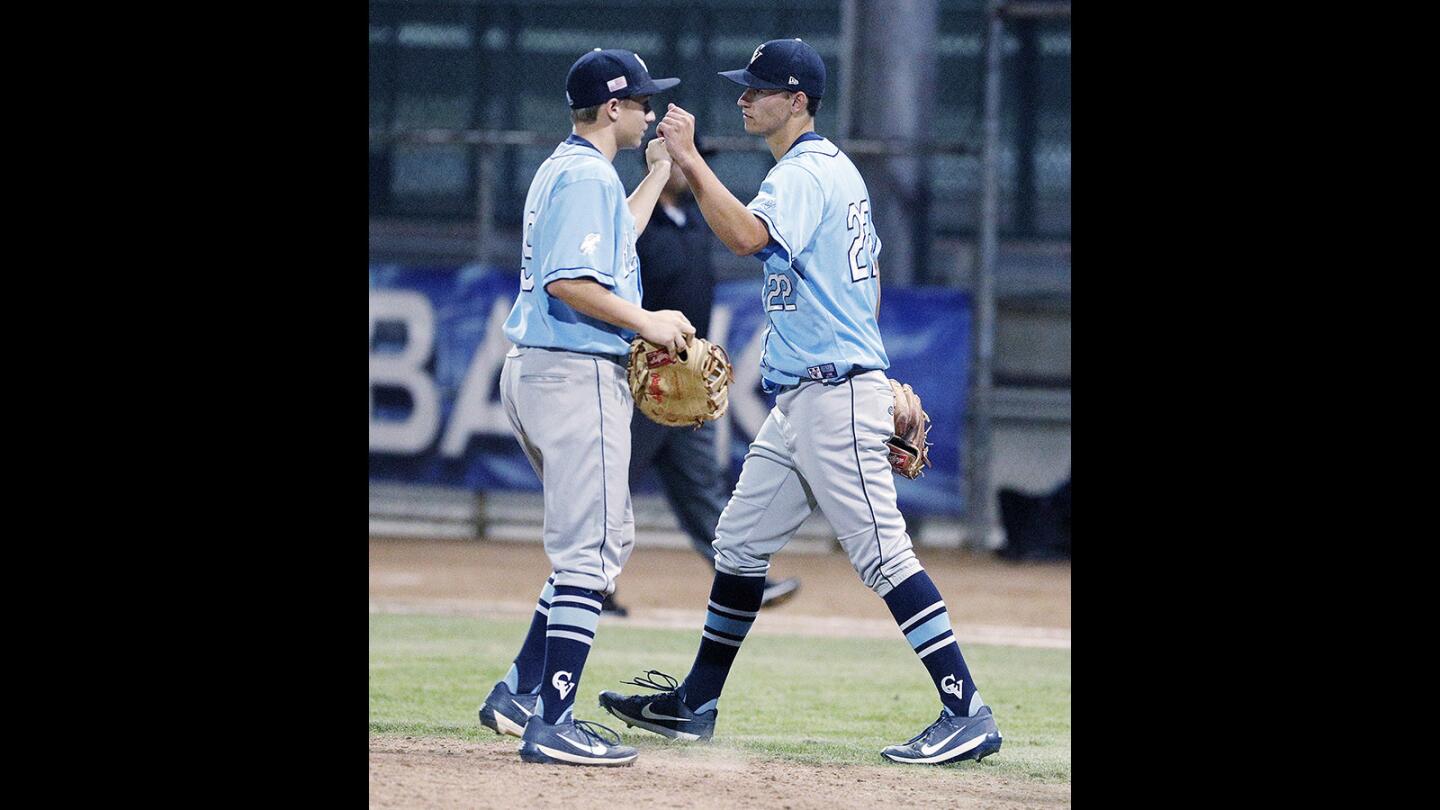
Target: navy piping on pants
x=855 y=443
x=604 y=479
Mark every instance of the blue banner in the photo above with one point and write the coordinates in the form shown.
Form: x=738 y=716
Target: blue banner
x=437 y=345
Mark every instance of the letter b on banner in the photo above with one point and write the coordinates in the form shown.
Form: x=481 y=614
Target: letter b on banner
x=404 y=370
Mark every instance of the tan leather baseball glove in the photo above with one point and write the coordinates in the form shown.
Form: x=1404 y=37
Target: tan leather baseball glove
x=908 y=448
x=685 y=389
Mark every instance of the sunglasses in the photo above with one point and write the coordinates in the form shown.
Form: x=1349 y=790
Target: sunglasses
x=644 y=105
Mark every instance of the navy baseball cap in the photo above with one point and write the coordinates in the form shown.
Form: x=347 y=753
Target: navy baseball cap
x=783 y=64
x=599 y=76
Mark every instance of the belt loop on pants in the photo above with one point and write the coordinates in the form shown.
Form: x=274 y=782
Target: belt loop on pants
x=854 y=372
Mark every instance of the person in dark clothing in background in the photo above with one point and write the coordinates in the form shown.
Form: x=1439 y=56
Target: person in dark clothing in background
x=679 y=274
x=1037 y=527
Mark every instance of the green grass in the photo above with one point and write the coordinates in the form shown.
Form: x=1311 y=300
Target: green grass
x=815 y=700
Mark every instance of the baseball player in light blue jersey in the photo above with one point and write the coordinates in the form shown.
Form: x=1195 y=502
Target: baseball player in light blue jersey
x=823 y=444
x=565 y=392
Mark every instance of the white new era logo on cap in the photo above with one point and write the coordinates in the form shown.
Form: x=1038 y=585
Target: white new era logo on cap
x=794 y=80
x=617 y=84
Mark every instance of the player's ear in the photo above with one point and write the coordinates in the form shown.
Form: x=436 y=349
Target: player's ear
x=612 y=109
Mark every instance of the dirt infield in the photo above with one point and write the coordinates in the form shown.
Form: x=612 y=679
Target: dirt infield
x=989 y=600
x=456 y=576
x=419 y=772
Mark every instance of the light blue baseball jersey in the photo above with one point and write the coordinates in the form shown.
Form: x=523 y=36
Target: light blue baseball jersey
x=577 y=225
x=820 y=275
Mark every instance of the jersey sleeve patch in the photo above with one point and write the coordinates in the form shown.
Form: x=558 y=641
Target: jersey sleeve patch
x=763 y=207
x=790 y=203
x=578 y=232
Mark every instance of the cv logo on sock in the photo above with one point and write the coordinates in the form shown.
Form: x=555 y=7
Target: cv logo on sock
x=947 y=684
x=562 y=684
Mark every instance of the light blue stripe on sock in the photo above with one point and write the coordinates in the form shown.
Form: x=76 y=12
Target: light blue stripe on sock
x=512 y=678
x=574 y=617
x=715 y=621
x=929 y=630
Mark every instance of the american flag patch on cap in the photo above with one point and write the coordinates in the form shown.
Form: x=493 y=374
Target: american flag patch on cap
x=617 y=84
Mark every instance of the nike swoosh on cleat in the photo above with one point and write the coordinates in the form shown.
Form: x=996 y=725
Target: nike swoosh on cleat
x=522 y=708
x=649 y=715
x=597 y=750
x=927 y=750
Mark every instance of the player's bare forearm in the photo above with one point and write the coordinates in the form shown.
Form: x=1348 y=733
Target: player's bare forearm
x=731 y=221
x=588 y=297
x=642 y=200
x=664 y=327
x=741 y=232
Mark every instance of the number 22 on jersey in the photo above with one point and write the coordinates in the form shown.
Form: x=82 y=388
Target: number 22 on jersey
x=858 y=221
x=778 y=293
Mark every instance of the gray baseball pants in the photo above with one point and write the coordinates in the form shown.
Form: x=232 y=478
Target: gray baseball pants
x=822 y=446
x=571 y=414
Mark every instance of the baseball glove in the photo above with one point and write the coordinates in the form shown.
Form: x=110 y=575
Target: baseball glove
x=908 y=448
x=685 y=389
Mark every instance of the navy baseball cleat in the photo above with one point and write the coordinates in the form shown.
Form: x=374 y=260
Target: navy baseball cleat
x=665 y=714
x=778 y=593
x=613 y=608
x=505 y=712
x=950 y=739
x=573 y=742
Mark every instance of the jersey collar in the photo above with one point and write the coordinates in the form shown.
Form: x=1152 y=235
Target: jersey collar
x=804 y=136
x=576 y=140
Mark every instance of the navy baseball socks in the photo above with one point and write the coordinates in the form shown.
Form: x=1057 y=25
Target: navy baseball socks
x=688 y=711
x=535 y=701
x=574 y=615
x=529 y=665
x=512 y=700
x=552 y=734
x=966 y=727
x=734 y=604
x=920 y=612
